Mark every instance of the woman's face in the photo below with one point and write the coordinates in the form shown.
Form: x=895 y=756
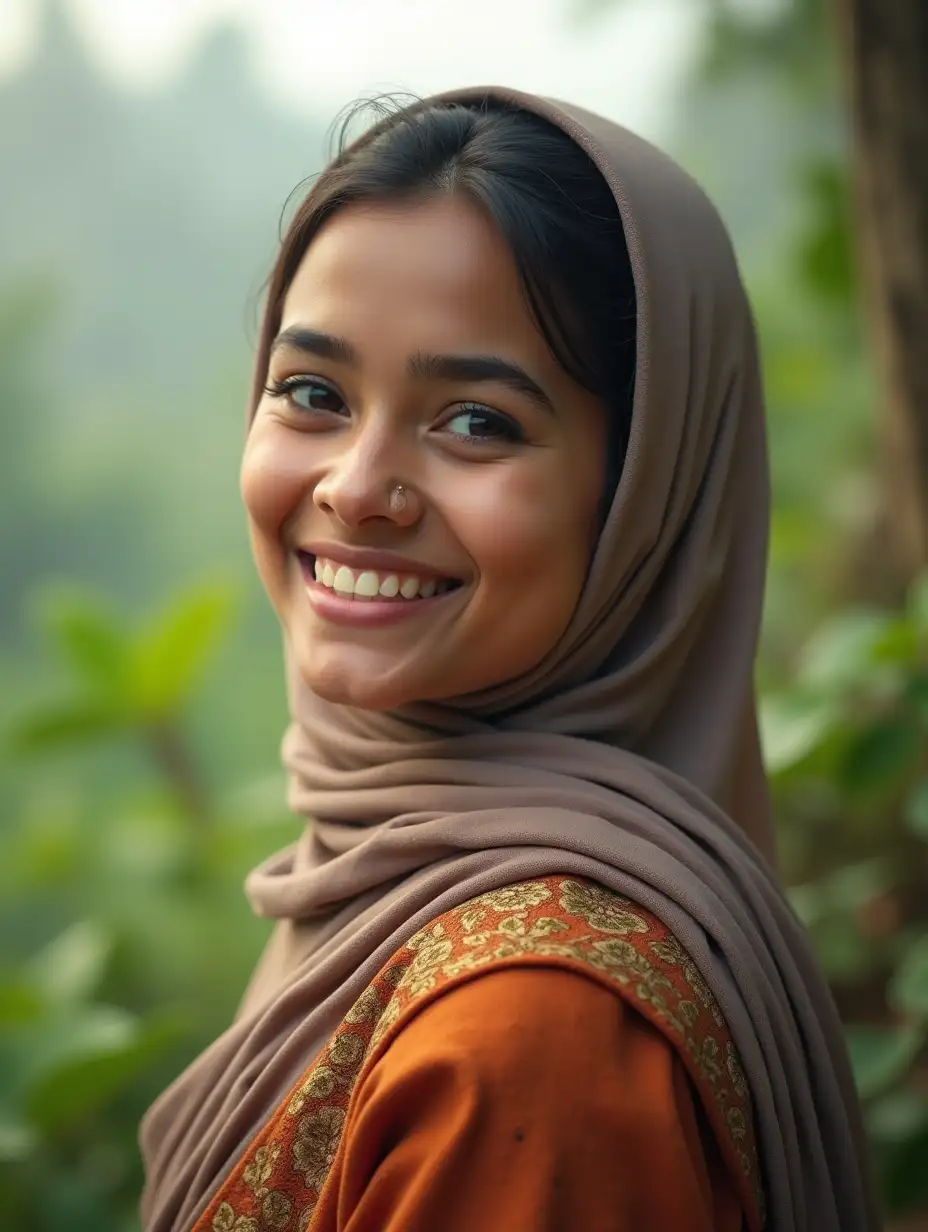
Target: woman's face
x=407 y=356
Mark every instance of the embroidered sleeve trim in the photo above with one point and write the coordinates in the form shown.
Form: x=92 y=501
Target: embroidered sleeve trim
x=552 y=921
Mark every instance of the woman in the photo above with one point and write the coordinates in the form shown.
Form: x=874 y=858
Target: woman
x=506 y=484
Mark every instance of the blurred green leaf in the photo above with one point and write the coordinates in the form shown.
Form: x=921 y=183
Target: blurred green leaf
x=825 y=255
x=882 y=1055
x=60 y=1043
x=81 y=1085
x=19 y=1001
x=70 y=722
x=843 y=892
x=809 y=902
x=915 y=811
x=854 y=885
x=792 y=727
x=169 y=657
x=898 y=645
x=903 y=1175
x=908 y=988
x=880 y=757
x=898 y=1116
x=87 y=635
x=916 y=695
x=917 y=605
x=844 y=952
x=17 y=1139
x=840 y=653
x=71 y=967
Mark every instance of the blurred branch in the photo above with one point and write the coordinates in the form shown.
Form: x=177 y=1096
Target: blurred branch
x=884 y=46
x=174 y=759
x=135 y=683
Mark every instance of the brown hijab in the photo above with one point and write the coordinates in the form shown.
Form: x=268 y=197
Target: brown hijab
x=629 y=756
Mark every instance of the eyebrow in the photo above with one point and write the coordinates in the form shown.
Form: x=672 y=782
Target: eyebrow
x=464 y=368
x=471 y=368
x=313 y=342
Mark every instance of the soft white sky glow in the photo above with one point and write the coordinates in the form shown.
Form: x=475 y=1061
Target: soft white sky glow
x=320 y=54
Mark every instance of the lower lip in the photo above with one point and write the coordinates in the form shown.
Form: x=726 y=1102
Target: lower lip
x=371 y=613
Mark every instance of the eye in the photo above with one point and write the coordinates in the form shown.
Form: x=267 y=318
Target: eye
x=480 y=423
x=307 y=394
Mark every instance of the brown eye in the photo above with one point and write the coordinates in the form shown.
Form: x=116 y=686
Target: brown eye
x=314 y=396
x=308 y=394
x=480 y=423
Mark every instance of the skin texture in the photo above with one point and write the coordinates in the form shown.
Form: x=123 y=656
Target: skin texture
x=514 y=520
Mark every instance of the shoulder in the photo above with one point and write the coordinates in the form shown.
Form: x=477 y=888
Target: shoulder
x=532 y=1089
x=549 y=1033
x=510 y=1018
x=545 y=1040
x=564 y=967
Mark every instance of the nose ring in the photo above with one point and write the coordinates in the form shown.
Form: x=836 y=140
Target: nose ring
x=398 y=499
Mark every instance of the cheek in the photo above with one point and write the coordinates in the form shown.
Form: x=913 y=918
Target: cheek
x=533 y=539
x=271 y=490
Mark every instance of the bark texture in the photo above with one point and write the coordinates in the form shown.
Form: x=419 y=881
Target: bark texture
x=884 y=46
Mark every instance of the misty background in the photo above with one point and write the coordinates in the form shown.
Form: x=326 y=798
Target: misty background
x=147 y=157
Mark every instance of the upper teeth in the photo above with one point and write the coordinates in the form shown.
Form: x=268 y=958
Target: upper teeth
x=367 y=584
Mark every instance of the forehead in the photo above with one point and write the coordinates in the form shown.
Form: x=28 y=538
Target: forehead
x=435 y=275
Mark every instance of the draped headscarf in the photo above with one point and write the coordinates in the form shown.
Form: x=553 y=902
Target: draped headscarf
x=629 y=756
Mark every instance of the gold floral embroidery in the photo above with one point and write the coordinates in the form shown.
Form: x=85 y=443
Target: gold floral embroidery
x=346 y=1052
x=515 y=897
x=392 y=975
x=278 y=1185
x=737 y=1124
x=431 y=948
x=671 y=951
x=303 y=1225
x=261 y=1167
x=387 y=1019
x=735 y=1071
x=319 y=1085
x=226 y=1220
x=602 y=910
x=276 y=1209
x=317 y=1138
x=367 y=1008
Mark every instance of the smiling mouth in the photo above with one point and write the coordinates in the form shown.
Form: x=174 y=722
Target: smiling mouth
x=370 y=585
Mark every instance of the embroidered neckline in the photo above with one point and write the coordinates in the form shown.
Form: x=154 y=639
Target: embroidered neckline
x=550 y=921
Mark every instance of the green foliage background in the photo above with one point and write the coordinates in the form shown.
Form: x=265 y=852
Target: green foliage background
x=142 y=694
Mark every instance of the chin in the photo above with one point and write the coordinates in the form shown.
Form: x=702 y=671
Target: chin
x=361 y=697
x=352 y=689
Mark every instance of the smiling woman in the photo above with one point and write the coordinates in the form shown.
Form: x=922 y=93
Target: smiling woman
x=419 y=361
x=437 y=326
x=506 y=486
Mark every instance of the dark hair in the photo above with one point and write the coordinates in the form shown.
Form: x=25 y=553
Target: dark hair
x=548 y=200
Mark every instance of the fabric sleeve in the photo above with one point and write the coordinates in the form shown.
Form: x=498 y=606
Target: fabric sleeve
x=531 y=1099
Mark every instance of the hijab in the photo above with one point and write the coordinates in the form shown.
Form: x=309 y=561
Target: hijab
x=628 y=756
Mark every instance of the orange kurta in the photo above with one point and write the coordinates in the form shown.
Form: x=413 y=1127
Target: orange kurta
x=528 y=1100
x=544 y=1057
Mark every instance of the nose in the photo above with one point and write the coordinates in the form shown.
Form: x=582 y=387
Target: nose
x=360 y=485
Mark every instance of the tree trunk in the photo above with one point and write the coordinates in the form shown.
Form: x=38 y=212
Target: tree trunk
x=884 y=45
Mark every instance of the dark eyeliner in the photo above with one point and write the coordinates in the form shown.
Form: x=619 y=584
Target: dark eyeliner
x=512 y=431
x=319 y=389
x=278 y=389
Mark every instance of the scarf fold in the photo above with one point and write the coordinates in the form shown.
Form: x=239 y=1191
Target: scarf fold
x=629 y=756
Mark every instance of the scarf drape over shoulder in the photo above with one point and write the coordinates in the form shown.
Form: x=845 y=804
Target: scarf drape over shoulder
x=629 y=756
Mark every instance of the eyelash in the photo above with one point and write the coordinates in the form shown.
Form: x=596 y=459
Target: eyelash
x=285 y=387
x=511 y=431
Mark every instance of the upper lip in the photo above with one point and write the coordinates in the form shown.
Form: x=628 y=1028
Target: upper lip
x=375 y=560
